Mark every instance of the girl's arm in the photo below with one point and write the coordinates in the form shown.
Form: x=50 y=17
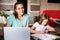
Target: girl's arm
x=51 y=28
x=34 y=31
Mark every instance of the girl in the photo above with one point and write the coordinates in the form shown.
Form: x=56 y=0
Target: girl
x=41 y=26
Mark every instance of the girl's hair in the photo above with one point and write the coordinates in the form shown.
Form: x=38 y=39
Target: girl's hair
x=15 y=13
x=43 y=17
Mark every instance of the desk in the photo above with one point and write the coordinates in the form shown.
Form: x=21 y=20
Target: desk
x=45 y=36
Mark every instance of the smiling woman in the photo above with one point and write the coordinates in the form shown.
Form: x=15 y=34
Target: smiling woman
x=18 y=18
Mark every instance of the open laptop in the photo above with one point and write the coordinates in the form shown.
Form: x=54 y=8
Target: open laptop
x=16 y=33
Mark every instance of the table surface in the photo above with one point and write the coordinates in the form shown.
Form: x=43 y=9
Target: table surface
x=45 y=36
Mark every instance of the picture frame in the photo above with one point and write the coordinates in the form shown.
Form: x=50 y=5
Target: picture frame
x=35 y=7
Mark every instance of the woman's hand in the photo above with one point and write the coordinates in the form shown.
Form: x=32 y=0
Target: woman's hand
x=8 y=25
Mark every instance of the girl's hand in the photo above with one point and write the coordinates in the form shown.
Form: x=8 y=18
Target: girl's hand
x=40 y=32
x=46 y=31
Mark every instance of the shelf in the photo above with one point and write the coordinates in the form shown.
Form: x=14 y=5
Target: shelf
x=7 y=12
x=6 y=3
x=34 y=4
x=34 y=11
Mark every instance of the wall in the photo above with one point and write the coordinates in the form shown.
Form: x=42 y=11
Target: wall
x=32 y=15
x=33 y=9
x=44 y=5
x=49 y=6
x=6 y=6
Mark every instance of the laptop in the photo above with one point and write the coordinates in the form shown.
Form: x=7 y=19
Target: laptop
x=16 y=33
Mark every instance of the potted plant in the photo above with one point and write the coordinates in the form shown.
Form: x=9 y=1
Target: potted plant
x=3 y=14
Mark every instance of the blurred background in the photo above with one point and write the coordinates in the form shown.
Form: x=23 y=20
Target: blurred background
x=32 y=7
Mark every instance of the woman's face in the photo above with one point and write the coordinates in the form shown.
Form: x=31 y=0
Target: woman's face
x=44 y=22
x=19 y=9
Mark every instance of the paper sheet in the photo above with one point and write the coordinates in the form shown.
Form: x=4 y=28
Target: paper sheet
x=45 y=36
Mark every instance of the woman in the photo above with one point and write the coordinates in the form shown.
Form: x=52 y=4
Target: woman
x=41 y=26
x=18 y=18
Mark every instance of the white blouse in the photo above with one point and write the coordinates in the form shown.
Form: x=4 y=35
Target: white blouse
x=40 y=27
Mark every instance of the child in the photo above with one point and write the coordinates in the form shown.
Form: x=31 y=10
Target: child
x=41 y=26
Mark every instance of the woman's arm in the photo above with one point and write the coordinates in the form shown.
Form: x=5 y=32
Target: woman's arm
x=8 y=25
x=34 y=31
x=27 y=25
